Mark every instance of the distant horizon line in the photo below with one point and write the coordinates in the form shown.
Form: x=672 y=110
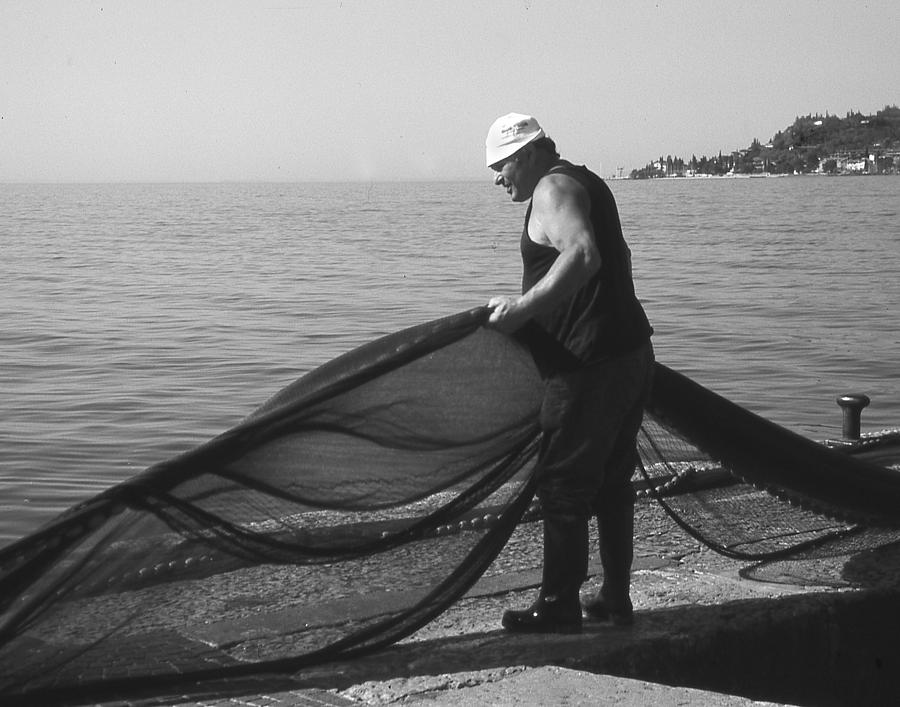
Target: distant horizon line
x=406 y=180
x=460 y=180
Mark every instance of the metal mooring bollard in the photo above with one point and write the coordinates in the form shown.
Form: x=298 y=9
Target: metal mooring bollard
x=852 y=404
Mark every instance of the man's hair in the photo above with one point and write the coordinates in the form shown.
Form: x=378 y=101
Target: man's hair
x=545 y=144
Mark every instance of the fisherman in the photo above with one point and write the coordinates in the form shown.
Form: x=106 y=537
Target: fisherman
x=577 y=292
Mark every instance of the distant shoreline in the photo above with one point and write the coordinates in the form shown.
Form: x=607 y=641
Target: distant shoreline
x=681 y=177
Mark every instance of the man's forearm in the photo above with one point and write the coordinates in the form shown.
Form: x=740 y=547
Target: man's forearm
x=569 y=272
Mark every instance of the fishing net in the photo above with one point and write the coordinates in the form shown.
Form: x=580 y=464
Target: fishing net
x=358 y=504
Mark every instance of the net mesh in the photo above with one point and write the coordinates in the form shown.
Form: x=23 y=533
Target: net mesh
x=359 y=503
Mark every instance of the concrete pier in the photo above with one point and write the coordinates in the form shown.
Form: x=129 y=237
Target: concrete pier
x=820 y=631
x=704 y=635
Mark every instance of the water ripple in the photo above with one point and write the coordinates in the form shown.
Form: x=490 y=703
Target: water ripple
x=137 y=321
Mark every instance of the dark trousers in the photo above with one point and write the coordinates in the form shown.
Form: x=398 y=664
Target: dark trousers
x=590 y=420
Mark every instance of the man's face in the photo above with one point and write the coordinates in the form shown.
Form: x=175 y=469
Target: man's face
x=513 y=175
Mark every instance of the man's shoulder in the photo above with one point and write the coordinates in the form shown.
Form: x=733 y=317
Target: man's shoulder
x=564 y=181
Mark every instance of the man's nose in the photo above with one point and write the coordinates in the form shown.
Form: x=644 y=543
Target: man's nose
x=497 y=179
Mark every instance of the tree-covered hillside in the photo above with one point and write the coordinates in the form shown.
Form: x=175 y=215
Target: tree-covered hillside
x=857 y=143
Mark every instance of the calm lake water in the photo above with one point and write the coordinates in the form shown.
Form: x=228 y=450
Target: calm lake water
x=137 y=321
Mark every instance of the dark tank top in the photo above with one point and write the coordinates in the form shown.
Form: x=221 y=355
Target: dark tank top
x=604 y=317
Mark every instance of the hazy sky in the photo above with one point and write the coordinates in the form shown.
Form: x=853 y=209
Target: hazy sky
x=396 y=89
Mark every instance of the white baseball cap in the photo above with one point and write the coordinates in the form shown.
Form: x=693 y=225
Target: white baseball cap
x=509 y=134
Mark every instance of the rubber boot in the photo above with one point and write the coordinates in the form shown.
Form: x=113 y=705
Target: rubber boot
x=558 y=608
x=615 y=524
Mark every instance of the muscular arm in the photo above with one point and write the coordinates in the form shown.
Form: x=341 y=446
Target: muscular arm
x=560 y=217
